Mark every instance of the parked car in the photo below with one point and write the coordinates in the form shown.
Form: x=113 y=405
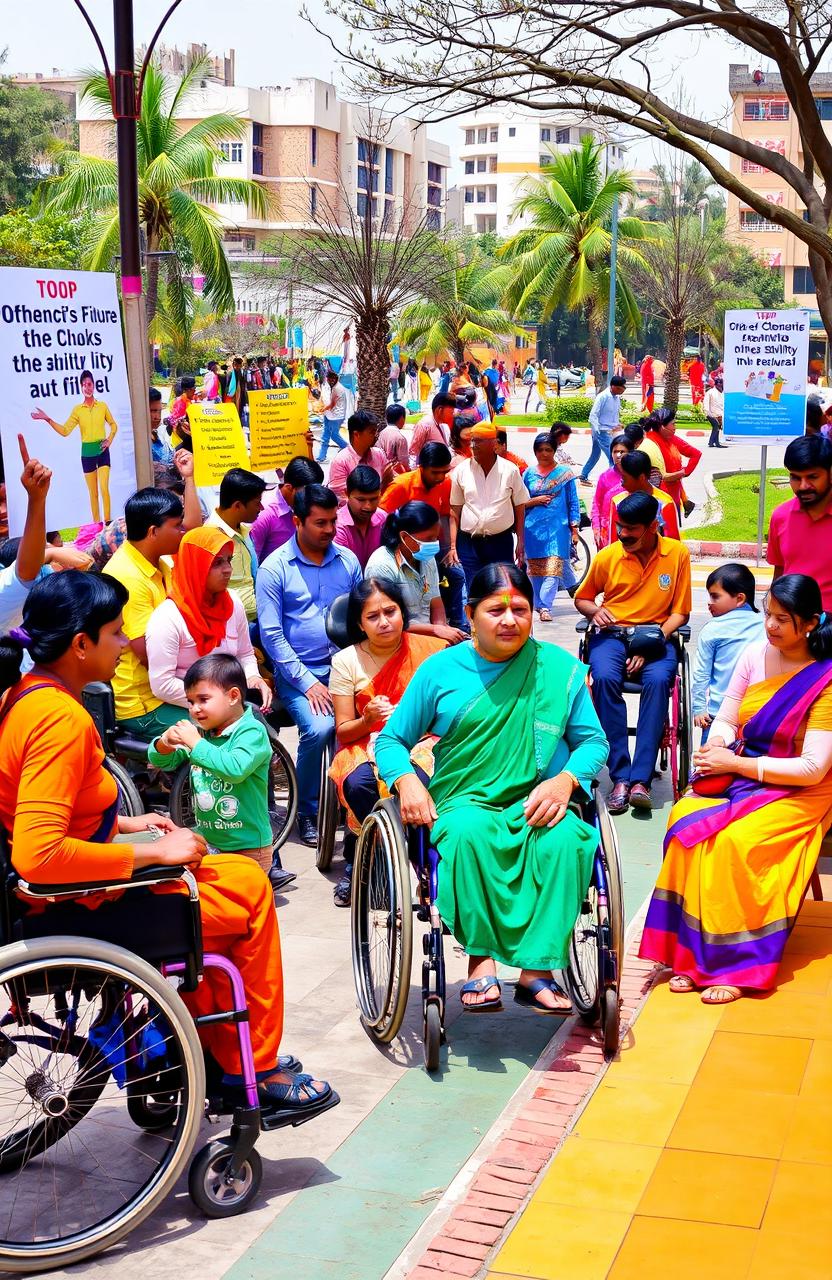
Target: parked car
x=565 y=377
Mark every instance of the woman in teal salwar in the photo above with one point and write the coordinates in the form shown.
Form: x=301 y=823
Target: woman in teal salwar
x=518 y=736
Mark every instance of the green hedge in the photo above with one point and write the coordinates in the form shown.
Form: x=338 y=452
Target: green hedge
x=576 y=409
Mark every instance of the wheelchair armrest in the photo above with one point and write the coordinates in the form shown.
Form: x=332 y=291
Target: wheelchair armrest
x=141 y=878
x=582 y=626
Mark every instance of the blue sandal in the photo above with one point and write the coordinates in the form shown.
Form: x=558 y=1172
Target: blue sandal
x=526 y=994
x=295 y=1095
x=478 y=986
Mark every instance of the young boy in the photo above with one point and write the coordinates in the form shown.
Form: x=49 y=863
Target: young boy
x=229 y=754
x=736 y=623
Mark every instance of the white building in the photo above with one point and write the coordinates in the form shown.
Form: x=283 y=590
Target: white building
x=500 y=146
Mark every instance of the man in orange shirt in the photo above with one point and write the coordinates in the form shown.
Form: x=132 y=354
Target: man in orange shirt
x=503 y=452
x=431 y=483
x=642 y=578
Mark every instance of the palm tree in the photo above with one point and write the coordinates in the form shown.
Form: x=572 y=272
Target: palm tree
x=178 y=183
x=683 y=187
x=465 y=309
x=563 y=257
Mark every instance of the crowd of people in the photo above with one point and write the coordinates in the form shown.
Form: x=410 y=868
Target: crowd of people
x=445 y=545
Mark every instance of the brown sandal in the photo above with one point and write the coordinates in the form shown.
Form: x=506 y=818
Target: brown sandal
x=680 y=983
x=731 y=994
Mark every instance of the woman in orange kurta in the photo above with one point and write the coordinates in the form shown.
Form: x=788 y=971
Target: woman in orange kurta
x=60 y=807
x=367 y=682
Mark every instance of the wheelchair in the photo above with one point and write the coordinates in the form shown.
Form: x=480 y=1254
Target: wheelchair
x=676 y=747
x=383 y=906
x=126 y=759
x=103 y=1076
x=330 y=813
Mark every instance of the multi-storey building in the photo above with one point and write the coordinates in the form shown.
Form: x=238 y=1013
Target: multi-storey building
x=500 y=147
x=762 y=114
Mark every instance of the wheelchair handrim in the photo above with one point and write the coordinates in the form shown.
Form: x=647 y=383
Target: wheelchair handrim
x=382 y=1017
x=110 y=964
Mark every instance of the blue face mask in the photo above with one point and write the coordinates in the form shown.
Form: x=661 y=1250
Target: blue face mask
x=425 y=550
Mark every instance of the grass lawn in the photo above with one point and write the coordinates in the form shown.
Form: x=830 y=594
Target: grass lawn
x=740 y=497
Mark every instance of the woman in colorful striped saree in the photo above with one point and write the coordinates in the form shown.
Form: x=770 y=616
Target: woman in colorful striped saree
x=738 y=861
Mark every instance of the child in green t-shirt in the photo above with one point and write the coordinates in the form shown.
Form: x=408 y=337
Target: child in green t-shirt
x=229 y=754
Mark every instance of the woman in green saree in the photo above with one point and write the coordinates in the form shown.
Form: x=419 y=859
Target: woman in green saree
x=518 y=735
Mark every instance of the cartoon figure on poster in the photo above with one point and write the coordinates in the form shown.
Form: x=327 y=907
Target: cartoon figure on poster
x=98 y=430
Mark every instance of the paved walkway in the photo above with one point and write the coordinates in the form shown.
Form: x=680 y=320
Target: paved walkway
x=706 y=1150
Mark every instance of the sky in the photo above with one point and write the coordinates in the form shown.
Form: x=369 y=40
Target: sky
x=52 y=34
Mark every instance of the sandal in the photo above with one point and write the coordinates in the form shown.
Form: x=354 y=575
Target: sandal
x=527 y=994
x=711 y=995
x=342 y=893
x=478 y=986
x=545 y=615
x=293 y=1097
x=681 y=983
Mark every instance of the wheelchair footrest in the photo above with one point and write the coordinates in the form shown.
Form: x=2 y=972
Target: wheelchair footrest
x=284 y=1119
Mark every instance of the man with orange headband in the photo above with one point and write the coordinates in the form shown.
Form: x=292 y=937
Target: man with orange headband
x=488 y=502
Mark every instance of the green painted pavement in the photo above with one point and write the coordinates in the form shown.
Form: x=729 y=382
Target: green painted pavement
x=354 y=1220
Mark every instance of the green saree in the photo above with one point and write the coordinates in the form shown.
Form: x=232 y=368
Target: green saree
x=506 y=889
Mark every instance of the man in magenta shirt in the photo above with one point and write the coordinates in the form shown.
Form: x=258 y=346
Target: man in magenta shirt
x=359 y=524
x=362 y=428
x=800 y=535
x=276 y=523
x=392 y=441
x=434 y=427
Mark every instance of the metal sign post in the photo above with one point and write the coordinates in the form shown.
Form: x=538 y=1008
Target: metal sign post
x=761 y=506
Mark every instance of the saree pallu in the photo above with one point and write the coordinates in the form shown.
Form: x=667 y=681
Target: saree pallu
x=506 y=889
x=548 y=536
x=390 y=682
x=737 y=867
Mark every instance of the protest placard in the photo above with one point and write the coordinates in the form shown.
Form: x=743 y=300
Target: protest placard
x=278 y=423
x=62 y=367
x=219 y=443
x=766 y=367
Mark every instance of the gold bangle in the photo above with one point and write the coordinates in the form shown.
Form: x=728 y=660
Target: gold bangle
x=576 y=786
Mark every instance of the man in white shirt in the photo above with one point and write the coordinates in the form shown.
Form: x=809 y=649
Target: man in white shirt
x=604 y=421
x=334 y=415
x=488 y=506
x=713 y=406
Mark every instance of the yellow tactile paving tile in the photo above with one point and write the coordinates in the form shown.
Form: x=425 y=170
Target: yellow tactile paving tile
x=707 y=1148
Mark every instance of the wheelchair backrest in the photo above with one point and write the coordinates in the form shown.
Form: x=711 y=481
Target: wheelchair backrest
x=101 y=704
x=336 y=622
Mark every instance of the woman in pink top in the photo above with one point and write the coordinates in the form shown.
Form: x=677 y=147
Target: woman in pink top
x=200 y=616
x=608 y=486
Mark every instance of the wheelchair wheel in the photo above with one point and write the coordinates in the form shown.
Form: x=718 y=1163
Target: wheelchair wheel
x=78 y=1175
x=581 y=557
x=131 y=804
x=432 y=1036
x=283 y=794
x=382 y=922
x=685 y=727
x=328 y=813
x=210 y=1187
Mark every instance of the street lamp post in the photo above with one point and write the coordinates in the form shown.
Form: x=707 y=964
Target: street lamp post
x=126 y=99
x=613 y=269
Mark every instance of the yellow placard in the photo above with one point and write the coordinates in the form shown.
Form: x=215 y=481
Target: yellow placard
x=278 y=423
x=219 y=443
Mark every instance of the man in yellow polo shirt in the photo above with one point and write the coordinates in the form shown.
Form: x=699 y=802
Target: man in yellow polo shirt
x=153 y=518
x=642 y=578
x=93 y=418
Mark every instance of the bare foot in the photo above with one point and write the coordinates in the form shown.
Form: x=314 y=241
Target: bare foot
x=680 y=982
x=721 y=995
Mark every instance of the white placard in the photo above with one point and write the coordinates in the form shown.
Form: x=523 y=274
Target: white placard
x=765 y=370
x=54 y=326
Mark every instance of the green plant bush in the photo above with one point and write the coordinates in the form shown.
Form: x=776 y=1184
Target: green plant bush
x=571 y=409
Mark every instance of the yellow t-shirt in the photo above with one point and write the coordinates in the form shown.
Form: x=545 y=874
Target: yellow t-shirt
x=91 y=420
x=636 y=593
x=147 y=587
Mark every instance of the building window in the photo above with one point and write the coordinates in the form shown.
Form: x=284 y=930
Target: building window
x=313 y=200
x=750 y=220
x=232 y=152
x=367 y=152
x=469 y=137
x=486 y=222
x=748 y=166
x=388 y=172
x=492 y=164
x=546 y=135
x=824 y=106
x=361 y=205
x=493 y=134
x=435 y=172
x=545 y=161
x=482 y=135
x=512 y=131
x=257 y=161
x=481 y=165
x=765 y=109
x=469 y=195
x=388 y=215
x=480 y=195
x=563 y=136
x=435 y=196
x=364 y=177
x=492 y=194
x=469 y=166
x=257 y=134
x=433 y=220
x=803 y=280
x=314 y=145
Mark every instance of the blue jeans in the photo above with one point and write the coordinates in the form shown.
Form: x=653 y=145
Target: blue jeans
x=315 y=731
x=544 y=591
x=600 y=445
x=607 y=658
x=454 y=595
x=331 y=435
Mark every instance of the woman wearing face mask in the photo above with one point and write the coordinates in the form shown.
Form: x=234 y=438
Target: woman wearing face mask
x=409 y=544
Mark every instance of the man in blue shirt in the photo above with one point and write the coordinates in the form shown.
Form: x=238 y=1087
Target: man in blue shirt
x=295 y=586
x=604 y=420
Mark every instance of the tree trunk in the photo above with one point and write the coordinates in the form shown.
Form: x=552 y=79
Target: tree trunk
x=373 y=361
x=596 y=359
x=459 y=351
x=152 y=294
x=675 y=335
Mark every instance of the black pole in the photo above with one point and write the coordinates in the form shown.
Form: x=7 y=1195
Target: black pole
x=125 y=111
